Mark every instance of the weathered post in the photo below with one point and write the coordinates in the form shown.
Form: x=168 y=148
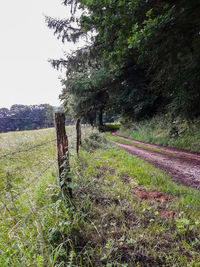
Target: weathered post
x=65 y=178
x=78 y=135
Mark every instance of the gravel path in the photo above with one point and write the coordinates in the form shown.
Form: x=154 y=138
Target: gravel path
x=182 y=165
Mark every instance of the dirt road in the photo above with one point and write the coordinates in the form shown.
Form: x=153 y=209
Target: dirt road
x=183 y=166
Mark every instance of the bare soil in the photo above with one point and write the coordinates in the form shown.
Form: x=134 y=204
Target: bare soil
x=150 y=196
x=155 y=197
x=183 y=166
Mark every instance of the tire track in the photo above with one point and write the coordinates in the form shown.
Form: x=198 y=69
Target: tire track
x=184 y=167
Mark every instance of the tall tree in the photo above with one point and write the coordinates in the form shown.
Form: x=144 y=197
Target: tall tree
x=153 y=46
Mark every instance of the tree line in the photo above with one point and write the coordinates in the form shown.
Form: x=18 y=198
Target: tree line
x=23 y=117
x=141 y=58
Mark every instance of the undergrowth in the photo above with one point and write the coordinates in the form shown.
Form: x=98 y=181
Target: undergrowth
x=106 y=223
x=163 y=130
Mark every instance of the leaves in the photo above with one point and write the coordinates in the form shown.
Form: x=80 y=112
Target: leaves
x=160 y=40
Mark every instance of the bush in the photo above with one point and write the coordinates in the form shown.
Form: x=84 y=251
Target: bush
x=94 y=140
x=165 y=130
x=110 y=127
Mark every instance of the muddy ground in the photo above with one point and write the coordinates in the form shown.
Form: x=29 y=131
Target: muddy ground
x=183 y=166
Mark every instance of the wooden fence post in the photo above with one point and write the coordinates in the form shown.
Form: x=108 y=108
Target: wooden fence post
x=65 y=178
x=78 y=135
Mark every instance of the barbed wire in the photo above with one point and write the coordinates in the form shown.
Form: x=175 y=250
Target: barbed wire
x=10 y=118
x=29 y=149
x=14 y=234
x=7 y=207
x=27 y=186
x=26 y=150
x=22 y=224
x=31 y=120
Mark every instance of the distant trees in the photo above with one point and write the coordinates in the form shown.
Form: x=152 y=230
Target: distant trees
x=22 y=117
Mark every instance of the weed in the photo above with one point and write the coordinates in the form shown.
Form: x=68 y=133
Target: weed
x=164 y=130
x=106 y=223
x=126 y=142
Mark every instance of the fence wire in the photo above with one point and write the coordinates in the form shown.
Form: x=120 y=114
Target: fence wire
x=27 y=186
x=26 y=150
x=16 y=228
x=21 y=223
x=20 y=119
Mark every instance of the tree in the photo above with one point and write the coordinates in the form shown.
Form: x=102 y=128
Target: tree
x=86 y=94
x=152 y=47
x=22 y=117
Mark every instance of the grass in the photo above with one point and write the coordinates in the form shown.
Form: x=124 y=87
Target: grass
x=126 y=142
x=115 y=228
x=28 y=180
x=163 y=130
x=105 y=224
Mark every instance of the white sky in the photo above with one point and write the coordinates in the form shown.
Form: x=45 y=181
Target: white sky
x=25 y=46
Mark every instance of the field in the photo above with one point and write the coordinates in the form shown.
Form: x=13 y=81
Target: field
x=124 y=212
x=28 y=182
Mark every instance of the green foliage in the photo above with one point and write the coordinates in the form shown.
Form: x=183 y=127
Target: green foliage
x=164 y=130
x=172 y=67
x=151 y=48
x=21 y=117
x=31 y=192
x=93 y=141
x=85 y=94
x=105 y=224
x=111 y=127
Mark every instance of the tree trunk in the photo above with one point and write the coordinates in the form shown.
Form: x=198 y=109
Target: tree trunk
x=78 y=135
x=100 y=118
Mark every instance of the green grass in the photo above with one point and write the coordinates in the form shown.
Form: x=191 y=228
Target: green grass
x=126 y=142
x=105 y=224
x=111 y=127
x=116 y=228
x=28 y=180
x=163 y=130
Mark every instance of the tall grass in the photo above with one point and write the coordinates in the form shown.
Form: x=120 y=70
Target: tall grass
x=28 y=181
x=105 y=224
x=163 y=130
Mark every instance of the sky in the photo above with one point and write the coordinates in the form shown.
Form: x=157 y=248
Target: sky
x=26 y=43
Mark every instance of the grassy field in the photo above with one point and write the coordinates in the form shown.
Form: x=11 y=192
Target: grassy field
x=124 y=212
x=28 y=181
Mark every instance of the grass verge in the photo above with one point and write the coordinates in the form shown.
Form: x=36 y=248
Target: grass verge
x=106 y=223
x=126 y=142
x=163 y=130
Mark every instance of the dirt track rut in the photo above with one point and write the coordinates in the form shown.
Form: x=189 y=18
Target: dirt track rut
x=183 y=166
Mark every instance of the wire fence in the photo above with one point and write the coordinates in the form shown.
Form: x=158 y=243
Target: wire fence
x=26 y=150
x=20 y=223
x=23 y=222
x=22 y=119
x=15 y=207
x=29 y=149
x=15 y=197
x=7 y=203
